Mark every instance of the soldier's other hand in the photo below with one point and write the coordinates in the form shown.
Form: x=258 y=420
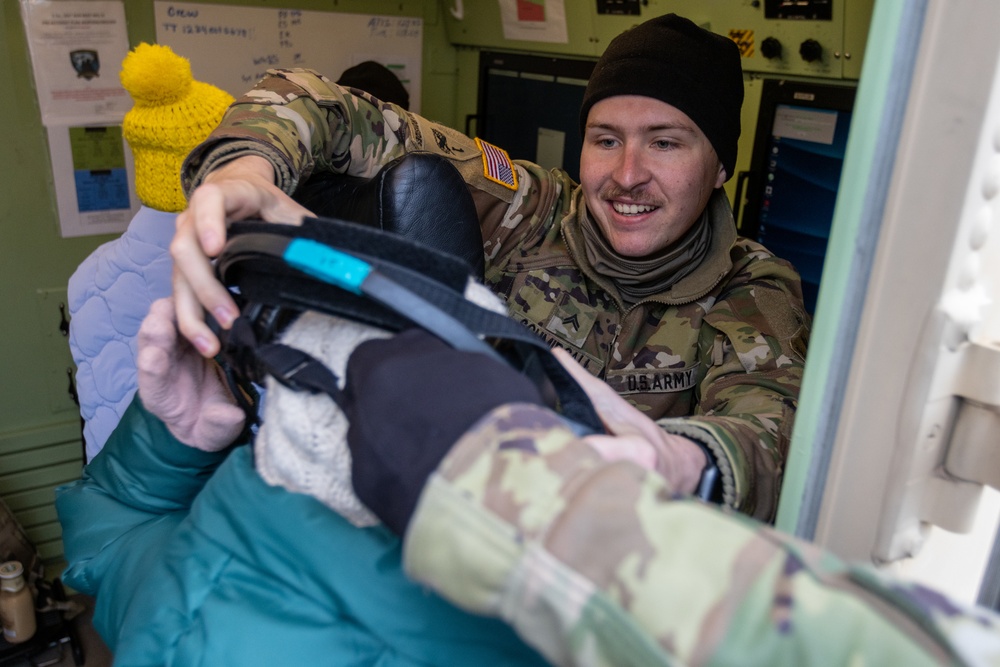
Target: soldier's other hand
x=635 y=437
x=240 y=189
x=182 y=388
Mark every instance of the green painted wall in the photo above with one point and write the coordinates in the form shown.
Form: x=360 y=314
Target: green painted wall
x=39 y=424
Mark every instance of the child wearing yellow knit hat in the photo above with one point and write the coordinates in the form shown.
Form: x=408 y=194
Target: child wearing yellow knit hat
x=110 y=293
x=173 y=113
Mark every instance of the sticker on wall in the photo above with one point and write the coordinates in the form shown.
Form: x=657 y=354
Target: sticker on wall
x=744 y=39
x=534 y=20
x=531 y=10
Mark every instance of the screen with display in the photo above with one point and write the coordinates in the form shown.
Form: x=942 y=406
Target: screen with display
x=795 y=173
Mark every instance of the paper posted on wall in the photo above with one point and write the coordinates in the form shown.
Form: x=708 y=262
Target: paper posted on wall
x=534 y=20
x=77 y=48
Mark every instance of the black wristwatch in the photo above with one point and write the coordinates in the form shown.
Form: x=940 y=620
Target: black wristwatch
x=709 y=486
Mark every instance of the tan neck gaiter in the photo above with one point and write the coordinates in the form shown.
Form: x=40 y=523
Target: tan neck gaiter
x=640 y=277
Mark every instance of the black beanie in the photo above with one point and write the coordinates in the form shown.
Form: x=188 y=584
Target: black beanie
x=378 y=80
x=671 y=59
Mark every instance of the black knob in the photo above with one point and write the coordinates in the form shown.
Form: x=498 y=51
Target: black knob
x=811 y=50
x=770 y=48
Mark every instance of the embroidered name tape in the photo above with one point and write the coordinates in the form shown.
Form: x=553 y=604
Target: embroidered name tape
x=649 y=381
x=497 y=166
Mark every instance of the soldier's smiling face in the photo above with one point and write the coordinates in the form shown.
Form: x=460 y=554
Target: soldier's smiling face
x=647 y=172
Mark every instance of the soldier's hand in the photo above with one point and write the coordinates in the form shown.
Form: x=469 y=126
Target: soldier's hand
x=240 y=189
x=635 y=437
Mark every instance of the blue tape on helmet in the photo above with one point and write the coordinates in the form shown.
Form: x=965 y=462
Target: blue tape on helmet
x=327 y=264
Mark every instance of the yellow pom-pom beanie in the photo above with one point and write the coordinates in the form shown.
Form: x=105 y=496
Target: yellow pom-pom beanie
x=172 y=113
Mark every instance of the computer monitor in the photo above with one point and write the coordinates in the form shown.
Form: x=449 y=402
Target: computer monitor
x=798 y=153
x=529 y=105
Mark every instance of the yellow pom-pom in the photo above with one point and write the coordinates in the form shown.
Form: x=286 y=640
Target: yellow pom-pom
x=154 y=75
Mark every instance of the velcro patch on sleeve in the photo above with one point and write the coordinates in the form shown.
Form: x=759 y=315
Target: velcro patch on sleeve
x=497 y=166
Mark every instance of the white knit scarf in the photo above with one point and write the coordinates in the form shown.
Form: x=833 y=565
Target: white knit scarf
x=301 y=445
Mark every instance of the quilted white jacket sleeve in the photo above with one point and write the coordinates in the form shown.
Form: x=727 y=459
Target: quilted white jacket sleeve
x=109 y=295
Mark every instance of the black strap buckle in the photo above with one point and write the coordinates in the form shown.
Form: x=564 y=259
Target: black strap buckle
x=299 y=371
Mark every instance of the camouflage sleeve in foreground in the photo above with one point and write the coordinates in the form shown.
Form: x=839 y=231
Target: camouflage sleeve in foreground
x=595 y=563
x=303 y=123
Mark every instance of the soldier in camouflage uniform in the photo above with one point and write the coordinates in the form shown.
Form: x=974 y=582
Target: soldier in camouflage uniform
x=638 y=272
x=597 y=562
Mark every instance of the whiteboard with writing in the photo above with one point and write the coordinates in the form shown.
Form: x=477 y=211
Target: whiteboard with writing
x=233 y=46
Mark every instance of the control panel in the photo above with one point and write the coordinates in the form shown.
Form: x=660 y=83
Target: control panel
x=808 y=38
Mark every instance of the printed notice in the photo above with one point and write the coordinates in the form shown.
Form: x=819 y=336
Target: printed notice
x=534 y=20
x=77 y=48
x=91 y=167
x=99 y=168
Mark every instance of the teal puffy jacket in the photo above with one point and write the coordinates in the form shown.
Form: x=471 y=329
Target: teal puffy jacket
x=195 y=561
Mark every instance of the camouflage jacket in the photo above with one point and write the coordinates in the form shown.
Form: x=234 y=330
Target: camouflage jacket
x=718 y=357
x=595 y=563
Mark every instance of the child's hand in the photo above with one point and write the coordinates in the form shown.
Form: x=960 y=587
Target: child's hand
x=182 y=388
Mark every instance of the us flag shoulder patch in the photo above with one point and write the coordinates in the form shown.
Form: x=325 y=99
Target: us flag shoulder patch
x=497 y=166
